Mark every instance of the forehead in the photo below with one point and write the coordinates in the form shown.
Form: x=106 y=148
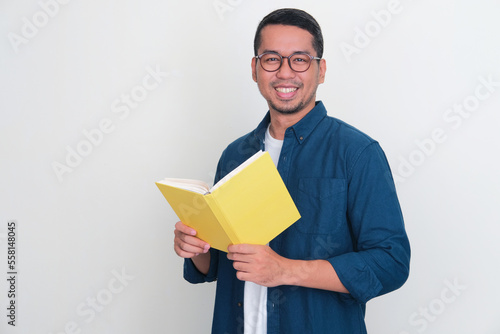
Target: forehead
x=285 y=39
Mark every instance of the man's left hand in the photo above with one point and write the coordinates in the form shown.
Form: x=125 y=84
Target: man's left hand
x=258 y=264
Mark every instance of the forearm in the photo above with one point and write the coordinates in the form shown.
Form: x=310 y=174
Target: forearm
x=318 y=274
x=262 y=265
x=202 y=262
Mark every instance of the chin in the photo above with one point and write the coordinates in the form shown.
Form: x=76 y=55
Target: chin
x=287 y=110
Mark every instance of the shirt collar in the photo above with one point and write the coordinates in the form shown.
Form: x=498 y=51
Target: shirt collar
x=302 y=129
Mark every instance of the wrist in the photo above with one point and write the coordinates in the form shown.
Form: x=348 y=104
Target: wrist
x=202 y=262
x=294 y=272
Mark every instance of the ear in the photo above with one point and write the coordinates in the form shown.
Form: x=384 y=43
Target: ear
x=254 y=69
x=322 y=71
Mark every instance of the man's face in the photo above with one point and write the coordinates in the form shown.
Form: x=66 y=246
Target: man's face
x=286 y=91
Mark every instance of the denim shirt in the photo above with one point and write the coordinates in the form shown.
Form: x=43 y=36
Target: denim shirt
x=340 y=181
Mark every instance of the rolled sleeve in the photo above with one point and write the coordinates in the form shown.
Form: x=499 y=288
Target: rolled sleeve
x=193 y=275
x=380 y=262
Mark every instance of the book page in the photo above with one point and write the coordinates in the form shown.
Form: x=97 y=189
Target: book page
x=187 y=184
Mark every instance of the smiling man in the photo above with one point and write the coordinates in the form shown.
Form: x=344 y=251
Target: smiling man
x=350 y=244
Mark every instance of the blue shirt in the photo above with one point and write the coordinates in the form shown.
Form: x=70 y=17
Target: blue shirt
x=341 y=183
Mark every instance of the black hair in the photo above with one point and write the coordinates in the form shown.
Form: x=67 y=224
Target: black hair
x=291 y=17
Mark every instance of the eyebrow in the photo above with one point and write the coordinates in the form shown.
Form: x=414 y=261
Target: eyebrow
x=303 y=51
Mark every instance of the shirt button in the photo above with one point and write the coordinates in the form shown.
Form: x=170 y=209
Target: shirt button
x=240 y=304
x=301 y=138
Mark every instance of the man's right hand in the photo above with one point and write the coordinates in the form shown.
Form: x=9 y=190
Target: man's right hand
x=186 y=244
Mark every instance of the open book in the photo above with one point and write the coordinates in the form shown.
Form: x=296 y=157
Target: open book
x=249 y=205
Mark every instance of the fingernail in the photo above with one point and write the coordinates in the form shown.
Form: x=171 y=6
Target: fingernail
x=193 y=232
x=206 y=248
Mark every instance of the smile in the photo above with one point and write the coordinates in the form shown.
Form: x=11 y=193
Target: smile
x=285 y=89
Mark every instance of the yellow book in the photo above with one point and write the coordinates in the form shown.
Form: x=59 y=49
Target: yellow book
x=250 y=205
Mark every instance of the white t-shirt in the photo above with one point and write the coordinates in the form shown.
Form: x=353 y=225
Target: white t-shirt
x=255 y=295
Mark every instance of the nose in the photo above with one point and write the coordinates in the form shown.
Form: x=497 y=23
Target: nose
x=285 y=71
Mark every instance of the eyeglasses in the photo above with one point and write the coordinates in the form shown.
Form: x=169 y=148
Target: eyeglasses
x=298 y=61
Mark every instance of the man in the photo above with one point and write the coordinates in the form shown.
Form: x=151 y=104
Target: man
x=350 y=244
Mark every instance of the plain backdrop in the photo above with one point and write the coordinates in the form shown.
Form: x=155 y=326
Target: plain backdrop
x=100 y=99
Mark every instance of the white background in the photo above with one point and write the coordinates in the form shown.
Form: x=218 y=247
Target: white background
x=66 y=70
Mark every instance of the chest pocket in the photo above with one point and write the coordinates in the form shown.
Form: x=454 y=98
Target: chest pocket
x=322 y=204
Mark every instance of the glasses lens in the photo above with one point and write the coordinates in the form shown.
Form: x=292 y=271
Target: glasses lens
x=300 y=62
x=270 y=61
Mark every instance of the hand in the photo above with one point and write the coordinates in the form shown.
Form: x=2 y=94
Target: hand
x=259 y=264
x=186 y=244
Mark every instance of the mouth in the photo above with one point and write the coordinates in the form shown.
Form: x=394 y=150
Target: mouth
x=285 y=93
x=285 y=90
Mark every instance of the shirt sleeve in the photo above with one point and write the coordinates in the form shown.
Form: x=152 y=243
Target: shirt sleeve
x=193 y=275
x=381 y=257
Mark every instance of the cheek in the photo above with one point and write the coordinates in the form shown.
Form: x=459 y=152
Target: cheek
x=265 y=89
x=312 y=83
x=263 y=82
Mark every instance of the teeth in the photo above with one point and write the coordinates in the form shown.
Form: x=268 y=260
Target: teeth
x=286 y=90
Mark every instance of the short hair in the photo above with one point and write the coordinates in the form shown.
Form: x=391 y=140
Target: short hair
x=291 y=17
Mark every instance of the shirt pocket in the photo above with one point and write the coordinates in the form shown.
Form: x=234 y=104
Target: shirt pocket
x=322 y=205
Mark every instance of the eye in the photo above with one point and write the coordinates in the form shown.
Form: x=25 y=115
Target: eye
x=300 y=59
x=271 y=59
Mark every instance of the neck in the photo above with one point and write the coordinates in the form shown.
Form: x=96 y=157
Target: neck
x=280 y=122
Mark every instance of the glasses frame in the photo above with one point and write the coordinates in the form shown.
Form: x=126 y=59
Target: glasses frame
x=259 y=57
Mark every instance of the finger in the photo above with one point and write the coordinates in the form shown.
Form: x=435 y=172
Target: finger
x=191 y=244
x=239 y=257
x=183 y=249
x=242 y=248
x=187 y=250
x=183 y=238
x=242 y=276
x=185 y=244
x=180 y=226
x=237 y=266
x=184 y=254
